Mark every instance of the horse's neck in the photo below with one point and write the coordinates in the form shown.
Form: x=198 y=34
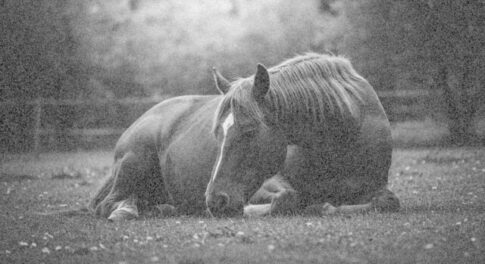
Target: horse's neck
x=326 y=135
x=298 y=135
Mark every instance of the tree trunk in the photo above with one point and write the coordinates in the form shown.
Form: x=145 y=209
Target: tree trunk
x=462 y=103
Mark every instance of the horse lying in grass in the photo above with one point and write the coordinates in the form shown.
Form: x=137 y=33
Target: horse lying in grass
x=306 y=136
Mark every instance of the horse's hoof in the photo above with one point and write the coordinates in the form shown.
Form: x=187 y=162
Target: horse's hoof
x=387 y=202
x=123 y=214
x=166 y=210
x=328 y=209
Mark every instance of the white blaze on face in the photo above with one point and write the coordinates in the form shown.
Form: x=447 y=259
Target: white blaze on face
x=228 y=123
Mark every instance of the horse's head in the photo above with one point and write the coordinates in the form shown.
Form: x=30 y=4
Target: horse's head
x=250 y=148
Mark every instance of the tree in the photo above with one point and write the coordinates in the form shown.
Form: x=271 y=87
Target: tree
x=455 y=45
x=426 y=43
x=39 y=58
x=40 y=50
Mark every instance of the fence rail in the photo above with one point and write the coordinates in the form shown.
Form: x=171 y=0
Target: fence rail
x=399 y=105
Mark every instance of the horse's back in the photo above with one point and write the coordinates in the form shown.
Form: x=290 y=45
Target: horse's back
x=158 y=124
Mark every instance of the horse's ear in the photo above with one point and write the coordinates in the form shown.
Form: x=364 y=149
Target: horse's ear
x=261 y=83
x=222 y=83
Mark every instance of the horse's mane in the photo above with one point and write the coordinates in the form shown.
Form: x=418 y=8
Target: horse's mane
x=307 y=88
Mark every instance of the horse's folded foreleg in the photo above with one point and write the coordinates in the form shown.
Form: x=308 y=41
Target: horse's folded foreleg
x=381 y=201
x=283 y=202
x=275 y=197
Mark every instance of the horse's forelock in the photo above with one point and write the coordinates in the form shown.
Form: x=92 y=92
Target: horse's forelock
x=239 y=99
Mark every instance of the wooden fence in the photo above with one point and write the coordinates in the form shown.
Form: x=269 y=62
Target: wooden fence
x=399 y=105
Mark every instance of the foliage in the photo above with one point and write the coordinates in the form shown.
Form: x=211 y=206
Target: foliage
x=40 y=56
x=134 y=48
x=423 y=44
x=40 y=50
x=170 y=46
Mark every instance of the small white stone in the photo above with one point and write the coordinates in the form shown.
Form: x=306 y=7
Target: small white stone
x=271 y=247
x=46 y=250
x=23 y=244
x=68 y=248
x=473 y=239
x=428 y=246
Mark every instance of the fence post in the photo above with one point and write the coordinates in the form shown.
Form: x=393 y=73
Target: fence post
x=37 y=125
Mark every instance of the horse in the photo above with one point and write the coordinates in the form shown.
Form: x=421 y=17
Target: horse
x=304 y=136
x=327 y=122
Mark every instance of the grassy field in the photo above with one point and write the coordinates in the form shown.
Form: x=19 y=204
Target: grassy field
x=442 y=219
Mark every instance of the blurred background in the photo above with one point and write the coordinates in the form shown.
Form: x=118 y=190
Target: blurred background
x=74 y=74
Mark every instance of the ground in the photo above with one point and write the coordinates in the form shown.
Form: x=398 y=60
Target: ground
x=442 y=219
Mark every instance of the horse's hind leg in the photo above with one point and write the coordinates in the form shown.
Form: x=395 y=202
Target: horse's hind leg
x=121 y=202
